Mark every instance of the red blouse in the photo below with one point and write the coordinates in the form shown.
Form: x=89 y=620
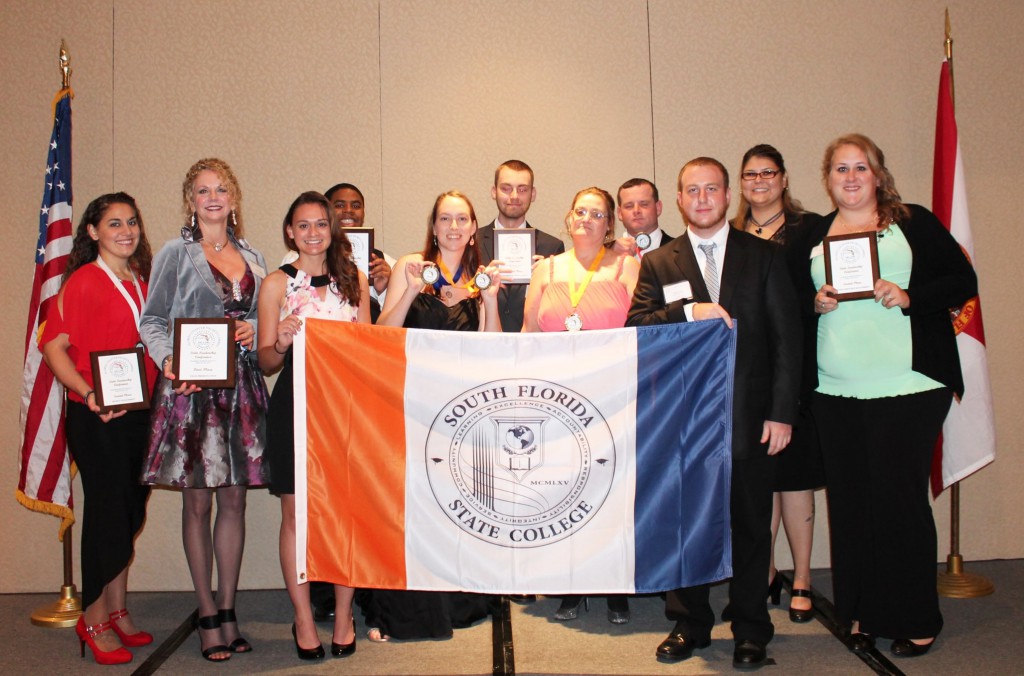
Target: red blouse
x=96 y=317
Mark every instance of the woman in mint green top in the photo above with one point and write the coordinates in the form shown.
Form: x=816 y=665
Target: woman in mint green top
x=883 y=370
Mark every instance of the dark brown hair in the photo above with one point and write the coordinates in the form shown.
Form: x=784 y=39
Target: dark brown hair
x=84 y=249
x=342 y=270
x=790 y=206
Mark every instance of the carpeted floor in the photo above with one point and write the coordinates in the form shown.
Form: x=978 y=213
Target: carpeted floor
x=980 y=637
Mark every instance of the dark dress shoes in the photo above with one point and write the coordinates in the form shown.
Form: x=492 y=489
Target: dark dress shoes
x=749 y=655
x=678 y=646
x=860 y=642
x=903 y=647
x=523 y=599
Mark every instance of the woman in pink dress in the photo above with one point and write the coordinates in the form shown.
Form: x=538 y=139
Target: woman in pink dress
x=588 y=287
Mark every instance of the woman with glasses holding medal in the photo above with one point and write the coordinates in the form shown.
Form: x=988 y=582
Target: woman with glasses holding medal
x=588 y=287
x=98 y=308
x=446 y=288
x=209 y=441
x=767 y=209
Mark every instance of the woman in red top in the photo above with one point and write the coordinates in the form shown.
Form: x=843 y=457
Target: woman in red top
x=98 y=308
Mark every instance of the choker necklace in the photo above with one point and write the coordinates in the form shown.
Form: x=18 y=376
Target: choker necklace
x=218 y=247
x=761 y=226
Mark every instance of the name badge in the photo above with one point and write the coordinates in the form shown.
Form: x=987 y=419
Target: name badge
x=677 y=291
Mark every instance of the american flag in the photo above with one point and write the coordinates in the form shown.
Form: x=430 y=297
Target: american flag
x=44 y=478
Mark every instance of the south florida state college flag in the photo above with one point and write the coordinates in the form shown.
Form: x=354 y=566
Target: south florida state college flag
x=591 y=462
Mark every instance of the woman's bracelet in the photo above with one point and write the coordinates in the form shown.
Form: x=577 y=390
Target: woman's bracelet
x=86 y=397
x=278 y=351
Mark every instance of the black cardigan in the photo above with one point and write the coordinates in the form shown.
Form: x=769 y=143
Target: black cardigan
x=941 y=277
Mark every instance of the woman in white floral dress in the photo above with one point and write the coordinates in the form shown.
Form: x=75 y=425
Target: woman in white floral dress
x=323 y=283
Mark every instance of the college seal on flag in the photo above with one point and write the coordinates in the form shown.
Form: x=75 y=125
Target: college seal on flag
x=520 y=462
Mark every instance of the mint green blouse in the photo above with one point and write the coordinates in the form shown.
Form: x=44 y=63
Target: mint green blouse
x=864 y=349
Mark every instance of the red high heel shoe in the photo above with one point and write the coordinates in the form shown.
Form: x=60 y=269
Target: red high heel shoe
x=139 y=638
x=87 y=635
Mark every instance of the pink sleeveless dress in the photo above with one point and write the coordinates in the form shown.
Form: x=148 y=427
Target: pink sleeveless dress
x=604 y=304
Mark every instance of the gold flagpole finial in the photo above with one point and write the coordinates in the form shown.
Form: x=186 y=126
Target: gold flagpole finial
x=65 y=65
x=949 y=39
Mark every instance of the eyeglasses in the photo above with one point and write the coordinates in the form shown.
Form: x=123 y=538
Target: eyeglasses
x=766 y=174
x=582 y=213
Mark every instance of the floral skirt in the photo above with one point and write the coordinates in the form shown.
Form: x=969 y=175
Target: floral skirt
x=212 y=438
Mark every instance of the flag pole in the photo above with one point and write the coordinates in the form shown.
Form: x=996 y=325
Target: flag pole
x=64 y=611
x=955 y=583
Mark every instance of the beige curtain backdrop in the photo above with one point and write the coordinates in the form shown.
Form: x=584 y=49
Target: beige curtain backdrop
x=408 y=99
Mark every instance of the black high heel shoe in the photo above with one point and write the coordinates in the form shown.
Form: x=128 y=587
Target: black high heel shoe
x=344 y=649
x=904 y=647
x=239 y=645
x=800 y=614
x=775 y=589
x=618 y=609
x=316 y=653
x=211 y=622
x=570 y=608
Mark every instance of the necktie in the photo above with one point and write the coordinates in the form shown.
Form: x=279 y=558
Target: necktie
x=710 y=270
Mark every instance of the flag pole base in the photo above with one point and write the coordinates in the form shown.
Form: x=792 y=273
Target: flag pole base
x=62 y=613
x=956 y=584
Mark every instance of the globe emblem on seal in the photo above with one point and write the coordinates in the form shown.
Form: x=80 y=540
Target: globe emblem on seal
x=520 y=462
x=519 y=436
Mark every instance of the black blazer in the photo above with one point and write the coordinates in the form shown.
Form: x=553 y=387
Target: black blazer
x=512 y=298
x=941 y=277
x=756 y=290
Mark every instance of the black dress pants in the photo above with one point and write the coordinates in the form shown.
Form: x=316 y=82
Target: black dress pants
x=750 y=504
x=878 y=455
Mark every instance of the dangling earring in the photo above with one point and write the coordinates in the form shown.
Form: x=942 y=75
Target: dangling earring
x=435 y=240
x=472 y=240
x=194 y=226
x=234 y=218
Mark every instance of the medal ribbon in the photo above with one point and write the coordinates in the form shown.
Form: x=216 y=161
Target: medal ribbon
x=120 y=287
x=447 y=275
x=576 y=293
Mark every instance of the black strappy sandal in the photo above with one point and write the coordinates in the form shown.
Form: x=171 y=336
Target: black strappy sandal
x=239 y=645
x=212 y=622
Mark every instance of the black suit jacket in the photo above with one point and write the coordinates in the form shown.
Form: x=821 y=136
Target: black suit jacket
x=512 y=298
x=757 y=291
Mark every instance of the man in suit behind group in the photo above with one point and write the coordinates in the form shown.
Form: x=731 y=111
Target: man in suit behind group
x=714 y=271
x=513 y=192
x=639 y=210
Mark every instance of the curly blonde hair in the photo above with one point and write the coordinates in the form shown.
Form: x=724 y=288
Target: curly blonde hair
x=227 y=177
